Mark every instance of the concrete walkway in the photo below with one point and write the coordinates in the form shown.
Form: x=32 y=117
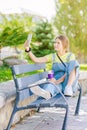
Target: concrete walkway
x=52 y=118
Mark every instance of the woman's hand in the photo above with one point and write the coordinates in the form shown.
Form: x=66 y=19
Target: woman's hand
x=53 y=80
x=32 y=56
x=61 y=79
x=26 y=45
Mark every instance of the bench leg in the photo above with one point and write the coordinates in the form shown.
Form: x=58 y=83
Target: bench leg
x=79 y=101
x=65 y=119
x=38 y=109
x=12 y=115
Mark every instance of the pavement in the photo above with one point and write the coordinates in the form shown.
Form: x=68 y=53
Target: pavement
x=52 y=118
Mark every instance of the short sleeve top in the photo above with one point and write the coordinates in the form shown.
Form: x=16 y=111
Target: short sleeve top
x=64 y=57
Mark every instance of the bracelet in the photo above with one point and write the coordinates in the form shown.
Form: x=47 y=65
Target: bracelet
x=28 y=50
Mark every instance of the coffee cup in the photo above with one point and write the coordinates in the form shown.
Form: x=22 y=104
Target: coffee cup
x=50 y=74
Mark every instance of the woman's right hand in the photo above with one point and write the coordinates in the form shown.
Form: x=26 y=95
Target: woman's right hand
x=32 y=56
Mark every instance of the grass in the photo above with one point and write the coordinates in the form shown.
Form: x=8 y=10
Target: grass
x=5 y=72
x=83 y=67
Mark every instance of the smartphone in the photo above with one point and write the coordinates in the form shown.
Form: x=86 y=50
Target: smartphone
x=29 y=39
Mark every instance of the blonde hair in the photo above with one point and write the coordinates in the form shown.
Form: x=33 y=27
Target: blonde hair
x=65 y=41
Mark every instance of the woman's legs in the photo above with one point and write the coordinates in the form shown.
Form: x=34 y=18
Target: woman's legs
x=47 y=91
x=68 y=89
x=41 y=92
x=72 y=78
x=54 y=90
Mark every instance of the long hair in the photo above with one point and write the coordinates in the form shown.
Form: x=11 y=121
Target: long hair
x=65 y=41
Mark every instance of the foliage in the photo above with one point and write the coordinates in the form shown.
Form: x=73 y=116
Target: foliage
x=5 y=73
x=43 y=36
x=14 y=29
x=13 y=36
x=71 y=19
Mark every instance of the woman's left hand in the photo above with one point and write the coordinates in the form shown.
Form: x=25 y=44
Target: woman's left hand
x=53 y=80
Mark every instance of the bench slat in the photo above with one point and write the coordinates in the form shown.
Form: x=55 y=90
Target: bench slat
x=57 y=100
x=28 y=80
x=24 y=82
x=19 y=69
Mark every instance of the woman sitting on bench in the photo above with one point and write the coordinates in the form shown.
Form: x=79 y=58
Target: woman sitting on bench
x=64 y=66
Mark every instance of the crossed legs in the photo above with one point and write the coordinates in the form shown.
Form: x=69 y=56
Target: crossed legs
x=40 y=92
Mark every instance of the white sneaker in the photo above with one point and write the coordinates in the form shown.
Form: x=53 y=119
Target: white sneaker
x=68 y=91
x=41 y=92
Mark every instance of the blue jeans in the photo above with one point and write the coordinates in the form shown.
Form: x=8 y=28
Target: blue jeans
x=52 y=89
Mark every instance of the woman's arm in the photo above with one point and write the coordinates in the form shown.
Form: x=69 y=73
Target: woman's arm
x=33 y=57
x=37 y=59
x=53 y=80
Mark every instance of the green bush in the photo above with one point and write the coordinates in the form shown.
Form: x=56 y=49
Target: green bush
x=5 y=73
x=13 y=36
x=14 y=29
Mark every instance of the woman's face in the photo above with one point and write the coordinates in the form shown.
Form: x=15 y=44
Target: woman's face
x=58 y=46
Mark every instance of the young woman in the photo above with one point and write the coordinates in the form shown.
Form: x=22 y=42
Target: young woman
x=64 y=66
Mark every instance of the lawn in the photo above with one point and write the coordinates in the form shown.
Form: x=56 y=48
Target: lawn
x=83 y=67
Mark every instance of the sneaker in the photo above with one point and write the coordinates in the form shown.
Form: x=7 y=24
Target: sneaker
x=41 y=92
x=68 y=91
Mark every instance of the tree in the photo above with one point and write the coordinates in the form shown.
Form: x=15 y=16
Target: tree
x=43 y=35
x=71 y=19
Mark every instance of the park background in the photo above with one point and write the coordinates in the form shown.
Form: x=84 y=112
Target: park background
x=69 y=18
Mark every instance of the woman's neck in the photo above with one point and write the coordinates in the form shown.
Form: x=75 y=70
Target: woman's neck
x=61 y=53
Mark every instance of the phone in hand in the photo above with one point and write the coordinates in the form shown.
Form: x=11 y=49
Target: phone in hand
x=29 y=39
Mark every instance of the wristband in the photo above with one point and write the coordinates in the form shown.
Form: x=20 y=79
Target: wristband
x=28 y=50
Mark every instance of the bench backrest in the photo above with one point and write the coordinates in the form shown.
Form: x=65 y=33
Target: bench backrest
x=33 y=73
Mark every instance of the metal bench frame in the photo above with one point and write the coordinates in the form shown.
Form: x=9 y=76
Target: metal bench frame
x=22 y=84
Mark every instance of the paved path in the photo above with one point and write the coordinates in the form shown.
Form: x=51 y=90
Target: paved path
x=51 y=119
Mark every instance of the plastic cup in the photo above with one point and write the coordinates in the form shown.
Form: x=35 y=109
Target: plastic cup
x=50 y=74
